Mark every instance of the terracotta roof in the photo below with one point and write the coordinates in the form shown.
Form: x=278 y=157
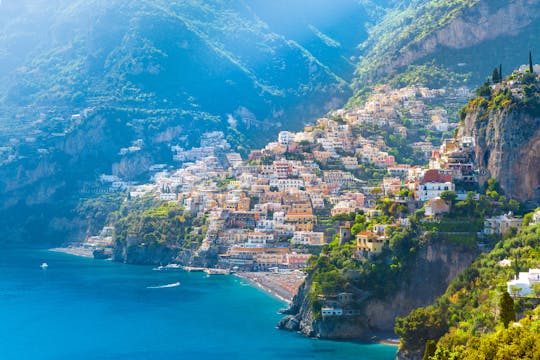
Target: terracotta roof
x=435 y=176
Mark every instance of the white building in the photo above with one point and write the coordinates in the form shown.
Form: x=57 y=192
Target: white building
x=523 y=284
x=501 y=224
x=285 y=137
x=259 y=239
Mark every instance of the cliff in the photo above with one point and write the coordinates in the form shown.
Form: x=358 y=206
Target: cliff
x=505 y=124
x=457 y=35
x=436 y=265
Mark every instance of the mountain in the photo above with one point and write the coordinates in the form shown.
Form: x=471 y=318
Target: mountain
x=262 y=63
x=459 y=41
x=159 y=73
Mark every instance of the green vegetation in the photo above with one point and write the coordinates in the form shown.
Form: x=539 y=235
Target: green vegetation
x=98 y=210
x=519 y=92
x=516 y=342
x=476 y=302
x=153 y=224
x=403 y=30
x=339 y=269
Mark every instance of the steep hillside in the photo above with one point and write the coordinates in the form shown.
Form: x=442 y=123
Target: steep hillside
x=464 y=320
x=159 y=72
x=413 y=272
x=504 y=120
x=459 y=36
x=179 y=55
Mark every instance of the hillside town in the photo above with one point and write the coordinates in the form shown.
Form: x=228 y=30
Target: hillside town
x=272 y=210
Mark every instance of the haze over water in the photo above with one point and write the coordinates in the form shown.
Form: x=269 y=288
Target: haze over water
x=87 y=309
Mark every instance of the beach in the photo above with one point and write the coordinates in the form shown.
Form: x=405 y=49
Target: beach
x=282 y=285
x=75 y=250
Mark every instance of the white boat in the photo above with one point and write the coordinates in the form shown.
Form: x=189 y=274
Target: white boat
x=44 y=265
x=164 y=286
x=209 y=271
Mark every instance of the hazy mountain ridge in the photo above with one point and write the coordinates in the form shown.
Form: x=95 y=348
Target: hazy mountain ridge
x=159 y=54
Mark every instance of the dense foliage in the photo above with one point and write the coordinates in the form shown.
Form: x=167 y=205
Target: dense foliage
x=148 y=223
x=475 y=303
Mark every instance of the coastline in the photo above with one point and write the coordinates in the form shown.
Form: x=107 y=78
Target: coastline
x=282 y=286
x=75 y=251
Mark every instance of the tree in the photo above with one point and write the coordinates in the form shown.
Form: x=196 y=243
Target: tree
x=449 y=196
x=429 y=350
x=496 y=77
x=420 y=326
x=536 y=289
x=506 y=309
x=500 y=72
x=531 y=68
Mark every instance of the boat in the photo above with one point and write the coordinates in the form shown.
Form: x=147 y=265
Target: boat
x=164 y=286
x=44 y=265
x=209 y=271
x=193 y=269
x=167 y=267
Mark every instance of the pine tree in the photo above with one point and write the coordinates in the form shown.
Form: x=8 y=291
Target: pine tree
x=531 y=68
x=506 y=309
x=496 y=77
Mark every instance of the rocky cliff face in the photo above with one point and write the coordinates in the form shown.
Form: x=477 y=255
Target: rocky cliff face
x=507 y=139
x=458 y=36
x=437 y=265
x=481 y=22
x=508 y=149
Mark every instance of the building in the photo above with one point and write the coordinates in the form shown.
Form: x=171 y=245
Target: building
x=436 y=207
x=502 y=224
x=368 y=242
x=285 y=137
x=308 y=238
x=522 y=286
x=296 y=261
x=259 y=239
x=433 y=184
x=331 y=311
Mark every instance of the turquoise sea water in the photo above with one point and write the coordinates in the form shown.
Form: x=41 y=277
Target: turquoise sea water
x=89 y=309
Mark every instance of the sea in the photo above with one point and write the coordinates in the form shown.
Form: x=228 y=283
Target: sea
x=81 y=308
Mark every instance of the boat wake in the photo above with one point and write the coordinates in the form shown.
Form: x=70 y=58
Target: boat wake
x=164 y=286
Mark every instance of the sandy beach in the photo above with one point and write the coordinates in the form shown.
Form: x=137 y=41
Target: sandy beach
x=75 y=250
x=283 y=286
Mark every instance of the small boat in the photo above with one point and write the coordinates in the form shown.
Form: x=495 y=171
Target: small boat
x=44 y=265
x=217 y=271
x=193 y=269
x=173 y=266
x=164 y=286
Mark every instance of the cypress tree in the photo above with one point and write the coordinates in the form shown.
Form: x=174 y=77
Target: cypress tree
x=496 y=77
x=506 y=309
x=500 y=72
x=531 y=68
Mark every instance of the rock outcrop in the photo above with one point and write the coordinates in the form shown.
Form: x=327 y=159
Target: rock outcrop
x=507 y=139
x=436 y=266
